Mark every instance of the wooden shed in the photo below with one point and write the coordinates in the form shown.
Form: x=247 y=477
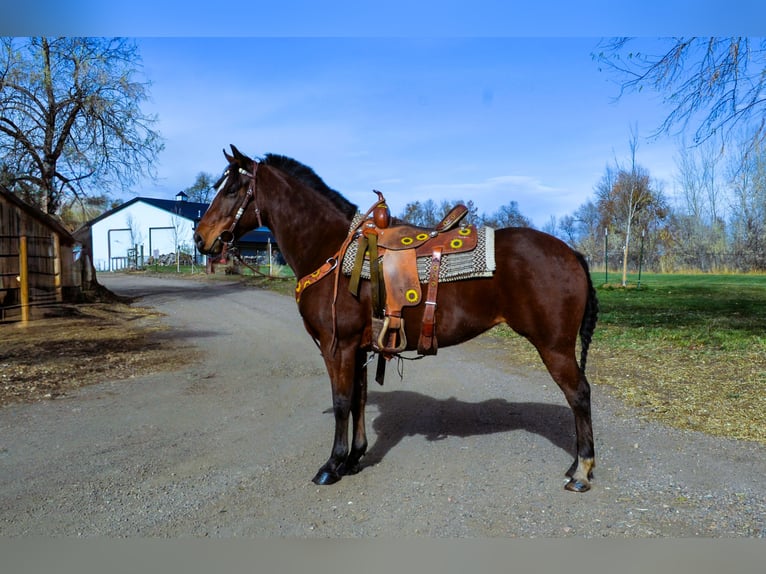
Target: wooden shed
x=39 y=259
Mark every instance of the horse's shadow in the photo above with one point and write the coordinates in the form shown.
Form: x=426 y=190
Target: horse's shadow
x=406 y=413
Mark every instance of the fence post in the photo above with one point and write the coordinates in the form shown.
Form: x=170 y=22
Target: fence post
x=57 y=268
x=24 y=278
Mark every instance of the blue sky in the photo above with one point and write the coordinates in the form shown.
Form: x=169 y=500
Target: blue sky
x=489 y=100
x=530 y=120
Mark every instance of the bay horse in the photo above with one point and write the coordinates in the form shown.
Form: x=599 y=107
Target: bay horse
x=541 y=288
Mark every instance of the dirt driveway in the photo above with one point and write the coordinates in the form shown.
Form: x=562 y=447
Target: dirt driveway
x=465 y=445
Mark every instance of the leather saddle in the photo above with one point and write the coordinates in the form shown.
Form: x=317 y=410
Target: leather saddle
x=392 y=252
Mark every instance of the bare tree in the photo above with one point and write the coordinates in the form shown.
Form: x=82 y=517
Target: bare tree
x=700 y=183
x=701 y=219
x=201 y=190
x=567 y=227
x=748 y=219
x=70 y=118
x=551 y=227
x=626 y=194
x=429 y=214
x=74 y=214
x=716 y=84
x=508 y=215
x=134 y=229
x=417 y=213
x=588 y=230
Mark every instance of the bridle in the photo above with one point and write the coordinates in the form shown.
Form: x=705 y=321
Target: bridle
x=227 y=236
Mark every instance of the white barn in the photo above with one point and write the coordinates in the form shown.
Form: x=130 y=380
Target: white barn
x=153 y=227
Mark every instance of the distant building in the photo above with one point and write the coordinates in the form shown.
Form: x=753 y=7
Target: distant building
x=145 y=228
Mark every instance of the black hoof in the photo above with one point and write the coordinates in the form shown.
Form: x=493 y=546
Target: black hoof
x=577 y=486
x=324 y=478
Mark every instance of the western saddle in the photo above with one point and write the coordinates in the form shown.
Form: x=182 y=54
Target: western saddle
x=392 y=251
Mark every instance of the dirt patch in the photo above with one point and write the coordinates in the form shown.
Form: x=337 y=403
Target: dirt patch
x=80 y=345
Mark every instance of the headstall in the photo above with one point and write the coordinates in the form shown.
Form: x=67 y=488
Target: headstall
x=227 y=236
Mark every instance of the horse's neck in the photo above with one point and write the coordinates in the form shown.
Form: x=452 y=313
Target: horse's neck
x=307 y=227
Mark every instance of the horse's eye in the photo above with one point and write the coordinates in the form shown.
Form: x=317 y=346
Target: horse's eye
x=232 y=190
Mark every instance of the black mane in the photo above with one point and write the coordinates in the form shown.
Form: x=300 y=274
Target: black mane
x=307 y=175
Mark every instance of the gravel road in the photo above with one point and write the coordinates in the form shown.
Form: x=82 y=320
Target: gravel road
x=464 y=445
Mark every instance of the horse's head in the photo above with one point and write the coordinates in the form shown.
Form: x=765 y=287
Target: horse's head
x=233 y=211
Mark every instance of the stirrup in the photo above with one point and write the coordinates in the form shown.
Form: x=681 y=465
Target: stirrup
x=381 y=341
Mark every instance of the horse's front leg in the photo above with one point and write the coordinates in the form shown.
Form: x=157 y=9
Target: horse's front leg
x=358 y=403
x=349 y=395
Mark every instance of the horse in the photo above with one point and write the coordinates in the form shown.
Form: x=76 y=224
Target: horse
x=541 y=288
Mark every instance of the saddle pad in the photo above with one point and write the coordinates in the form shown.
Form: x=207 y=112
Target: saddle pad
x=454 y=267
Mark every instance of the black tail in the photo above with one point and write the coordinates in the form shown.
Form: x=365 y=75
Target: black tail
x=590 y=316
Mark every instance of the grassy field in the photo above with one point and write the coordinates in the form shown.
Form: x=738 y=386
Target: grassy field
x=689 y=350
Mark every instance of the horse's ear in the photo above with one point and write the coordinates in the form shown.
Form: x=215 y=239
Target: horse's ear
x=229 y=158
x=239 y=156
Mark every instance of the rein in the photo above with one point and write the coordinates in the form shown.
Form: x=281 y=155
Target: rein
x=234 y=252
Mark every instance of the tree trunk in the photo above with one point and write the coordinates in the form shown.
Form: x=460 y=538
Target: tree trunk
x=90 y=289
x=625 y=252
x=625 y=265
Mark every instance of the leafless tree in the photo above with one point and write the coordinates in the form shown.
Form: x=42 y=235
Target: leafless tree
x=71 y=124
x=508 y=215
x=748 y=208
x=429 y=214
x=700 y=217
x=627 y=197
x=201 y=190
x=713 y=84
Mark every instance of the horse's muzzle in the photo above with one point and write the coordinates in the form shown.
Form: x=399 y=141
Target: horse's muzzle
x=213 y=249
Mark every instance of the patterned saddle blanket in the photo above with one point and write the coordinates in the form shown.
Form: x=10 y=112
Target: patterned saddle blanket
x=480 y=262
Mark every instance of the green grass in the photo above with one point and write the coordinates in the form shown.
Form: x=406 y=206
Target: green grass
x=720 y=312
x=173 y=270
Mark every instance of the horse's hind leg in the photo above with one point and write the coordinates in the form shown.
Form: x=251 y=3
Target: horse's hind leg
x=565 y=371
